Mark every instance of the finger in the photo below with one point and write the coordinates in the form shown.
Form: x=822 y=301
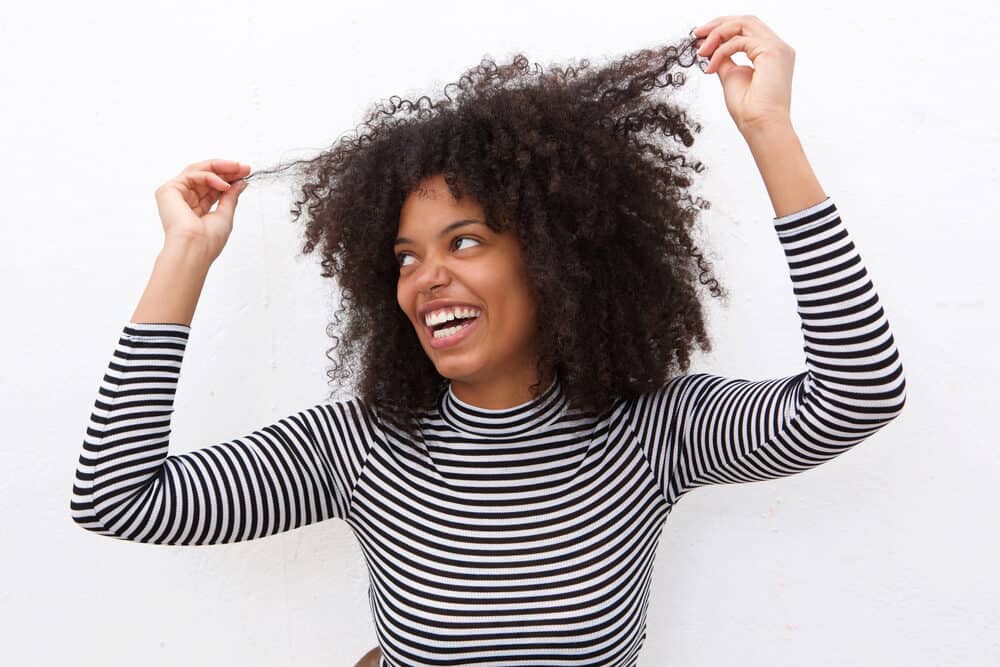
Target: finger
x=198 y=191
x=172 y=201
x=233 y=172
x=727 y=49
x=215 y=164
x=208 y=179
x=705 y=28
x=202 y=165
x=727 y=65
x=241 y=173
x=227 y=203
x=756 y=26
x=720 y=34
x=231 y=176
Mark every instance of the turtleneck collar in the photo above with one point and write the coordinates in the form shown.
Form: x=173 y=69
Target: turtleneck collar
x=520 y=419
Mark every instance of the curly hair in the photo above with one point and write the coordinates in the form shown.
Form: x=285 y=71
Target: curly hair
x=571 y=161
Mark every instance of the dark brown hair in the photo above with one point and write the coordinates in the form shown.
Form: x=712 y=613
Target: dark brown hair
x=572 y=159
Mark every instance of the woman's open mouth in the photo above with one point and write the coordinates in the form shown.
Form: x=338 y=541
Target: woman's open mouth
x=448 y=336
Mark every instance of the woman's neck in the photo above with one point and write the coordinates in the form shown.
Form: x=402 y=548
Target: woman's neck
x=507 y=392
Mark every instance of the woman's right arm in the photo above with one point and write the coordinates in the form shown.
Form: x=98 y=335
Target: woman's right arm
x=298 y=470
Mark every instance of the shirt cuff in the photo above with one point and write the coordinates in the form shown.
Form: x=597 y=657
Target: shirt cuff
x=158 y=330
x=800 y=221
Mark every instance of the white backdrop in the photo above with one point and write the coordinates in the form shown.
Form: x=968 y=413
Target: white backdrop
x=885 y=555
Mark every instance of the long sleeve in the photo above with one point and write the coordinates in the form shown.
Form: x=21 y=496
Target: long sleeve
x=704 y=429
x=298 y=470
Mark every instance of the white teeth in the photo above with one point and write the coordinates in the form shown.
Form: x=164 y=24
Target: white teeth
x=444 y=333
x=446 y=314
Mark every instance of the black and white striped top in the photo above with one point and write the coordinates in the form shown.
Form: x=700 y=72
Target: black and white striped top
x=523 y=536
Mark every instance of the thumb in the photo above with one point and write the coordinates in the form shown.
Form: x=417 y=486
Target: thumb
x=227 y=202
x=735 y=80
x=740 y=74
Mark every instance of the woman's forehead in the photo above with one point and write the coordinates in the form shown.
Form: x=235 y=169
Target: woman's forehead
x=426 y=211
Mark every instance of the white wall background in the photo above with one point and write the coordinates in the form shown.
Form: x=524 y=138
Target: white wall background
x=886 y=555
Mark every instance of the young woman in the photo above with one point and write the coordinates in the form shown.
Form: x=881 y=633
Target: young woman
x=522 y=298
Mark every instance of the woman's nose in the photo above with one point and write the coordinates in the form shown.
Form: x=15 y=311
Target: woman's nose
x=432 y=274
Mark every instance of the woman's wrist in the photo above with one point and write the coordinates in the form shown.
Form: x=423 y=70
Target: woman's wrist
x=175 y=285
x=187 y=249
x=790 y=181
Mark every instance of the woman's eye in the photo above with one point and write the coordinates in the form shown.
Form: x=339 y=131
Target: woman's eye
x=465 y=238
x=401 y=257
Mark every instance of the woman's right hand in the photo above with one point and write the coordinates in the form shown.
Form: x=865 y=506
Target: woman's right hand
x=184 y=203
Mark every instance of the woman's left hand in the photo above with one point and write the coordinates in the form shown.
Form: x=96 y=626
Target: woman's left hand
x=755 y=96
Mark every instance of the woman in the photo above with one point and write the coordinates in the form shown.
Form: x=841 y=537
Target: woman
x=522 y=298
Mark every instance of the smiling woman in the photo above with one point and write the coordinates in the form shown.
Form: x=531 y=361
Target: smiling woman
x=522 y=293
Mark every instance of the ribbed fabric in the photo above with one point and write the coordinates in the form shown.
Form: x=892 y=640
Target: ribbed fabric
x=516 y=537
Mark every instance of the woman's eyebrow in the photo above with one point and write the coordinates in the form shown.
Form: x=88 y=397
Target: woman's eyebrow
x=458 y=223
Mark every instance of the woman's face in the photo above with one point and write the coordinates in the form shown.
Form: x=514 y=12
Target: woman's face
x=447 y=253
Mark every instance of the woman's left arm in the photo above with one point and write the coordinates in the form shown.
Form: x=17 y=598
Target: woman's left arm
x=702 y=429
x=759 y=100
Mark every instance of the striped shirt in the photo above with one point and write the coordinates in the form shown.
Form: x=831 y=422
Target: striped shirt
x=521 y=536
